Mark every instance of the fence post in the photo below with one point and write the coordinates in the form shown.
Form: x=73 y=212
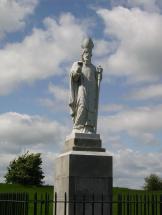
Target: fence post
x=128 y=205
x=0 y=204
x=46 y=204
x=119 y=204
x=41 y=204
x=55 y=204
x=141 y=204
x=156 y=208
x=144 y=205
x=65 y=203
x=152 y=204
x=35 y=204
x=148 y=204
x=14 y=196
x=21 y=205
x=160 y=204
x=26 y=204
x=136 y=204
x=123 y=205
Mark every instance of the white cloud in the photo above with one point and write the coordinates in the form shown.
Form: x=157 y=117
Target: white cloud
x=149 y=92
x=22 y=132
x=41 y=54
x=139 y=34
x=5 y=159
x=52 y=105
x=104 y=47
x=149 y=5
x=59 y=93
x=140 y=123
x=59 y=100
x=13 y=14
x=112 y=107
x=131 y=167
x=37 y=134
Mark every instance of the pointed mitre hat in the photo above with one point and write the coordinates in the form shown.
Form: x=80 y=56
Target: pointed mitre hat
x=87 y=43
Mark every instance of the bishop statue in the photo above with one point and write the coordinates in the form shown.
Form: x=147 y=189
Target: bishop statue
x=85 y=81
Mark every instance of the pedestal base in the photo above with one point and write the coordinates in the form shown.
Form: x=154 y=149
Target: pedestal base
x=81 y=175
x=83 y=142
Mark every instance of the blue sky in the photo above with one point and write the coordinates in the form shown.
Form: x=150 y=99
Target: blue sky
x=39 y=41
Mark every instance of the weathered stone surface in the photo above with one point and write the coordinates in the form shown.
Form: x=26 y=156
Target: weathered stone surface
x=83 y=142
x=84 y=174
x=85 y=81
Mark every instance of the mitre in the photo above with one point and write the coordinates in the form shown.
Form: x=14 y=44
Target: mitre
x=87 y=43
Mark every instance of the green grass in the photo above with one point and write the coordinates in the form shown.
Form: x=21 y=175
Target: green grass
x=133 y=195
x=31 y=190
x=49 y=189
x=42 y=190
x=126 y=191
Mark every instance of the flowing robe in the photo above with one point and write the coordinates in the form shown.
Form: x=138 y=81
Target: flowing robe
x=83 y=97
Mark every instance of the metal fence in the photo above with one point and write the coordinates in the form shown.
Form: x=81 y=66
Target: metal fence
x=20 y=204
x=139 y=205
x=14 y=203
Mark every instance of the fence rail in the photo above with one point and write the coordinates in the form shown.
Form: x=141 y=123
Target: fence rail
x=20 y=204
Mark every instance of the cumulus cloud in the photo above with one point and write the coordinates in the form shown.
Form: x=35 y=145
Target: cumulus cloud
x=13 y=14
x=141 y=123
x=104 y=47
x=40 y=54
x=139 y=34
x=149 y=5
x=131 y=167
x=112 y=107
x=149 y=92
x=22 y=132
x=5 y=159
x=59 y=92
x=22 y=129
x=59 y=100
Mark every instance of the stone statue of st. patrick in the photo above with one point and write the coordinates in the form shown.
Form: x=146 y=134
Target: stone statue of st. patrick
x=84 y=91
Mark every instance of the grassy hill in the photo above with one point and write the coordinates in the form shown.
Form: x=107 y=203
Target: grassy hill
x=29 y=189
x=49 y=189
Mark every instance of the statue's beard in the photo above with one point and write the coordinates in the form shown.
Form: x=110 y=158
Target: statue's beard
x=87 y=61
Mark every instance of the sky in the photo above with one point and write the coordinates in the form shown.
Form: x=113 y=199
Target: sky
x=40 y=40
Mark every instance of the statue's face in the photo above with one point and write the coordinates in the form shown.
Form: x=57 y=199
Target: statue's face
x=87 y=56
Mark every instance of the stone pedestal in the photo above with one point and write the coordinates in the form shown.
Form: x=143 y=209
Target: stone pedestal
x=83 y=142
x=84 y=172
